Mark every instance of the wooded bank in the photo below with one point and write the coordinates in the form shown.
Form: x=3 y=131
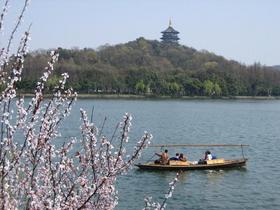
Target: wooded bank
x=144 y=67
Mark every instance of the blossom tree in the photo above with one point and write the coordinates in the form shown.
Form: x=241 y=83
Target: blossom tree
x=150 y=204
x=35 y=171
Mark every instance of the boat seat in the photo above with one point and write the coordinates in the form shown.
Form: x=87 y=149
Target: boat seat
x=215 y=161
x=179 y=163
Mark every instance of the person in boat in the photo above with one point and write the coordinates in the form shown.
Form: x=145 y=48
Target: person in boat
x=182 y=157
x=177 y=156
x=163 y=158
x=208 y=156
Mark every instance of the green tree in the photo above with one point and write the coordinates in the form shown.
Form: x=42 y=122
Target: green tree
x=217 y=89
x=208 y=87
x=174 y=88
x=140 y=87
x=52 y=82
x=192 y=86
x=211 y=65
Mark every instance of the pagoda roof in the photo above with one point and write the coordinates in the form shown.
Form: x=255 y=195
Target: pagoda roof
x=170 y=29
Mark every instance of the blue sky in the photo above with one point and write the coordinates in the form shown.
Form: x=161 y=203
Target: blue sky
x=244 y=30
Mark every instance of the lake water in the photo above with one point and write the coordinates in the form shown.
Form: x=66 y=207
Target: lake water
x=255 y=123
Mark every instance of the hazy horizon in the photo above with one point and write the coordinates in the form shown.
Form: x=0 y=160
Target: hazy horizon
x=245 y=31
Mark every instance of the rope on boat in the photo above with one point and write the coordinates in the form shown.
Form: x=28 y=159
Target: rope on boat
x=242 y=151
x=199 y=145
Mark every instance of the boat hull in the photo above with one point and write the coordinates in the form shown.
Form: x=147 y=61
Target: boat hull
x=226 y=165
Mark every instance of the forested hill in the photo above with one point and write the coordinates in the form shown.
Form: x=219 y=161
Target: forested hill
x=153 y=68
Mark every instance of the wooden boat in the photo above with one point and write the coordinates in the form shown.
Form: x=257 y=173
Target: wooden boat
x=187 y=165
x=214 y=166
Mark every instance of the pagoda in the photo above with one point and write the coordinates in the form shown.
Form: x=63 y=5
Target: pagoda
x=170 y=35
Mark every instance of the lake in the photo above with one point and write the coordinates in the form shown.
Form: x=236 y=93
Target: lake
x=253 y=122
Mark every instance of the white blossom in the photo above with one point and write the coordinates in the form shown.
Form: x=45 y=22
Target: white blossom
x=79 y=174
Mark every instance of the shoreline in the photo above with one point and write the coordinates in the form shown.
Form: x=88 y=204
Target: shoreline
x=153 y=97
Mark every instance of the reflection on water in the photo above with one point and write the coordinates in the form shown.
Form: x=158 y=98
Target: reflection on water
x=214 y=176
x=191 y=122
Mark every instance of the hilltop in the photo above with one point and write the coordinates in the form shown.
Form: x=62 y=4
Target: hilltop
x=153 y=68
x=277 y=67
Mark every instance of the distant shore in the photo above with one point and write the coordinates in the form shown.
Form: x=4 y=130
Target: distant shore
x=122 y=96
x=132 y=97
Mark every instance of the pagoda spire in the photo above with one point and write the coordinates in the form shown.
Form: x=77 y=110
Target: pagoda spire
x=170 y=35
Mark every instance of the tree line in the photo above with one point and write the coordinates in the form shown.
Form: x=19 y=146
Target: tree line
x=150 y=67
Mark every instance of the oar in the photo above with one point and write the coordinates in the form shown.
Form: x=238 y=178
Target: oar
x=199 y=145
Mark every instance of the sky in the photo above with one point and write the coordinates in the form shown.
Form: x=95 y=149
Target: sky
x=247 y=31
